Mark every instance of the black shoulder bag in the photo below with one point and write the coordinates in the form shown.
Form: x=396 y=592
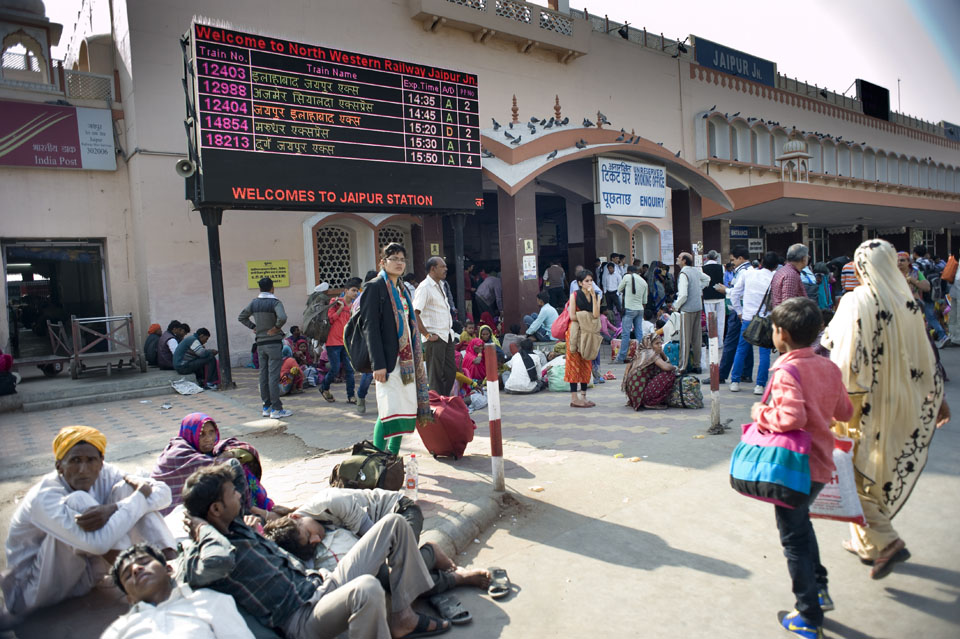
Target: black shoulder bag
x=760 y=331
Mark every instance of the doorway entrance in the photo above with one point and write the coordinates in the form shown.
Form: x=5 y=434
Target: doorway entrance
x=50 y=281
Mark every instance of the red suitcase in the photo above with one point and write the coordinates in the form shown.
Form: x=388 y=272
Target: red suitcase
x=451 y=429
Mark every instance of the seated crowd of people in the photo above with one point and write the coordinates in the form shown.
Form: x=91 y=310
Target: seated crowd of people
x=226 y=561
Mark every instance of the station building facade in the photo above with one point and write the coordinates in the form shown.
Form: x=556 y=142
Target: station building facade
x=774 y=163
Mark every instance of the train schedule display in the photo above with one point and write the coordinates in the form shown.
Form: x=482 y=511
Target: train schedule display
x=285 y=125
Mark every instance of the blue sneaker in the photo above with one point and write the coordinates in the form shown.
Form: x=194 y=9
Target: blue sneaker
x=266 y=410
x=280 y=414
x=793 y=623
x=826 y=601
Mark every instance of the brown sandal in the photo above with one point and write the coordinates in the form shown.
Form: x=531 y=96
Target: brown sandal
x=882 y=565
x=576 y=405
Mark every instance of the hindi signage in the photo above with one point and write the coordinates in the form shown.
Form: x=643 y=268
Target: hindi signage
x=716 y=56
x=56 y=137
x=276 y=270
x=631 y=188
x=285 y=125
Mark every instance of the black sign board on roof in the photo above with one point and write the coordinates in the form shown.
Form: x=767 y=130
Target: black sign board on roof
x=284 y=125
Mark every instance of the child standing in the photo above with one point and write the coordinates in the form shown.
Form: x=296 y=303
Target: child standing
x=806 y=392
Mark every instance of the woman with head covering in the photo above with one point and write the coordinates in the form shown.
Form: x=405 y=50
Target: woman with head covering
x=526 y=368
x=151 y=343
x=649 y=377
x=197 y=445
x=878 y=340
x=389 y=328
x=473 y=364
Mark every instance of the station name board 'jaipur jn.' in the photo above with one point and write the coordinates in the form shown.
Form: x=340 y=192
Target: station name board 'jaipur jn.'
x=284 y=125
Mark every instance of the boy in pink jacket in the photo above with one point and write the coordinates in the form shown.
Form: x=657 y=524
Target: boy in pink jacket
x=807 y=393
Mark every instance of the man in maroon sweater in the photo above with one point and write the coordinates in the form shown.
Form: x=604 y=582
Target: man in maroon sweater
x=786 y=282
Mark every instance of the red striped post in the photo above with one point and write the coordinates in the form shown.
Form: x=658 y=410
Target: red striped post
x=713 y=350
x=493 y=407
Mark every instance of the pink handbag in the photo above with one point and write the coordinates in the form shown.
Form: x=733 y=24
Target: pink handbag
x=561 y=324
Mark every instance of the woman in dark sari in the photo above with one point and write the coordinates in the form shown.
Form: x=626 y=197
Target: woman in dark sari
x=649 y=377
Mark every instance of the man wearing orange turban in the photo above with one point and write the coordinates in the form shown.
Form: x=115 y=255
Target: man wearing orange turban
x=73 y=522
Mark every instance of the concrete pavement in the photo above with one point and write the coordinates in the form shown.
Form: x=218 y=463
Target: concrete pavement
x=661 y=547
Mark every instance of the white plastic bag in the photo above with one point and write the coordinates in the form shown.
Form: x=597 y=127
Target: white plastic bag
x=838 y=500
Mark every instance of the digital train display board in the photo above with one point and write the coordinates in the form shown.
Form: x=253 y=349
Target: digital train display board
x=285 y=125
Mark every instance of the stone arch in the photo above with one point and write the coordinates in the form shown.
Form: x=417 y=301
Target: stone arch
x=337 y=246
x=646 y=242
x=36 y=66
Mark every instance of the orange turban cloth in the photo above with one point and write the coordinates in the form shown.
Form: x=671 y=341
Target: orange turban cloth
x=154 y=330
x=70 y=436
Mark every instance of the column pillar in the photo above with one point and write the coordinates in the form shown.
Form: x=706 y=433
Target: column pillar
x=517 y=217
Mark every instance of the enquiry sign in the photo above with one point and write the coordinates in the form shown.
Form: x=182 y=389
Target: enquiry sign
x=631 y=188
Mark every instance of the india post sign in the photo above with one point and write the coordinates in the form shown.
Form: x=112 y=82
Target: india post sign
x=716 y=56
x=631 y=188
x=56 y=137
x=276 y=270
x=287 y=125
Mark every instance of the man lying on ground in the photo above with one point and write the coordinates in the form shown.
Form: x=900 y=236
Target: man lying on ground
x=330 y=524
x=73 y=523
x=275 y=588
x=162 y=608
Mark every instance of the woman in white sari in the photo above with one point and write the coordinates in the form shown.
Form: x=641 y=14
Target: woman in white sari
x=389 y=328
x=878 y=340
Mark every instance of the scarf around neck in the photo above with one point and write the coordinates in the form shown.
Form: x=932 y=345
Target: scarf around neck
x=409 y=353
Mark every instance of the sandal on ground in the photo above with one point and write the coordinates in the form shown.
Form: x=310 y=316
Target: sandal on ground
x=588 y=403
x=451 y=609
x=499 y=583
x=327 y=395
x=882 y=565
x=576 y=405
x=423 y=625
x=848 y=546
x=609 y=376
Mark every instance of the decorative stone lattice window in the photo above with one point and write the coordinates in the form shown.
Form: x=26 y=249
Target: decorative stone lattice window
x=388 y=234
x=334 y=259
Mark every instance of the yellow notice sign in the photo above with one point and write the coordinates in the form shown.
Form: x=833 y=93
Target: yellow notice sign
x=276 y=270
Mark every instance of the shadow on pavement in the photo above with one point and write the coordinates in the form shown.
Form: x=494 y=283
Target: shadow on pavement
x=617 y=544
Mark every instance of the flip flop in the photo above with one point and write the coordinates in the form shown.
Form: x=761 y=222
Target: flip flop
x=423 y=623
x=451 y=609
x=883 y=564
x=499 y=583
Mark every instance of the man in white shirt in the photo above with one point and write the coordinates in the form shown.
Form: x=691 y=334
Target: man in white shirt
x=746 y=299
x=72 y=523
x=575 y=286
x=690 y=284
x=740 y=258
x=436 y=327
x=161 y=608
x=611 y=281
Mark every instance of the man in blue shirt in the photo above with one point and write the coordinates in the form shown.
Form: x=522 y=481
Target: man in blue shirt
x=192 y=357
x=539 y=325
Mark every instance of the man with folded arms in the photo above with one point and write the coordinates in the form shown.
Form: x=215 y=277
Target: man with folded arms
x=275 y=588
x=73 y=523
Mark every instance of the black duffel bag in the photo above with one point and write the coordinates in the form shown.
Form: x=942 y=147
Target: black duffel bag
x=760 y=331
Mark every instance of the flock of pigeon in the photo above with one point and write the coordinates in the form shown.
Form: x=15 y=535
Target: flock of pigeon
x=553 y=122
x=751 y=120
